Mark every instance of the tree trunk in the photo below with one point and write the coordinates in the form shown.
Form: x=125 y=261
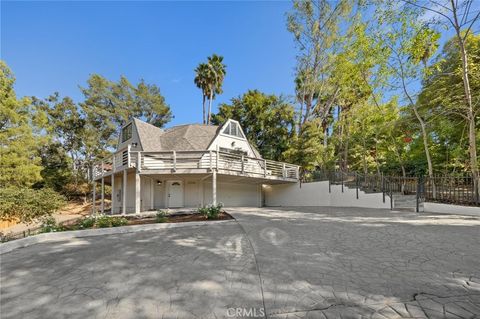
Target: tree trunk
x=472 y=145
x=427 y=151
x=210 y=107
x=203 y=104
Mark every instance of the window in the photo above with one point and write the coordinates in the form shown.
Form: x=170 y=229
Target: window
x=127 y=132
x=234 y=130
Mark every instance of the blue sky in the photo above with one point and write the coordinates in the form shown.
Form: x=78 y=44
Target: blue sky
x=55 y=46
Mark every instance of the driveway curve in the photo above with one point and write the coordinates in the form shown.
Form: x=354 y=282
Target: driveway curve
x=278 y=263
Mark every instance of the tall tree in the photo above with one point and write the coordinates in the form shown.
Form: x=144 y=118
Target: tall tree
x=315 y=26
x=19 y=137
x=201 y=81
x=267 y=120
x=216 y=75
x=460 y=16
x=109 y=104
x=409 y=42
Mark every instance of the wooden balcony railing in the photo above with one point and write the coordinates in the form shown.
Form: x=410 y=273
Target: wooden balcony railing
x=181 y=161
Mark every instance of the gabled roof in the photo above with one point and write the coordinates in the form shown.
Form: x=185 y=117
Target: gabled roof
x=149 y=135
x=190 y=137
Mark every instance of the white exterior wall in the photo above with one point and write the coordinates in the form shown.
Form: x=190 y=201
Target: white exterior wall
x=225 y=141
x=234 y=194
x=450 y=209
x=316 y=194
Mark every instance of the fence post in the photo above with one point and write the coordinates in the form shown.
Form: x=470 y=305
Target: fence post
x=329 y=182
x=391 y=195
x=383 y=188
x=417 y=209
x=341 y=176
x=356 y=182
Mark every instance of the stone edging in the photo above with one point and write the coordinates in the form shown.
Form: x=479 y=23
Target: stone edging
x=65 y=235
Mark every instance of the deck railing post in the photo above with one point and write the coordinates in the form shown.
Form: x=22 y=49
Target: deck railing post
x=139 y=162
x=128 y=155
x=265 y=168
x=243 y=164
x=211 y=159
x=174 y=161
x=284 y=170
x=417 y=206
x=113 y=164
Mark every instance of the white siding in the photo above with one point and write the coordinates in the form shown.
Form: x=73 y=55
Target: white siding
x=234 y=194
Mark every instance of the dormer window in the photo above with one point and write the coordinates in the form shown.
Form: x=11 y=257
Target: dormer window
x=127 y=133
x=233 y=129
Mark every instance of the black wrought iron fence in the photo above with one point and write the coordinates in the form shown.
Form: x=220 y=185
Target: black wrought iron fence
x=451 y=190
x=441 y=189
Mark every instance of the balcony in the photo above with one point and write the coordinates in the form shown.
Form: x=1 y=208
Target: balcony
x=192 y=162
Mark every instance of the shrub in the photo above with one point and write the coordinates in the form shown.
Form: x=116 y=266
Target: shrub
x=118 y=221
x=49 y=225
x=104 y=221
x=161 y=217
x=27 y=204
x=87 y=222
x=211 y=211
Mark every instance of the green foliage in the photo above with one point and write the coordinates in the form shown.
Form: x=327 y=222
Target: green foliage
x=209 y=78
x=104 y=221
x=49 y=225
x=86 y=222
x=267 y=120
x=27 y=205
x=161 y=217
x=19 y=136
x=307 y=148
x=211 y=211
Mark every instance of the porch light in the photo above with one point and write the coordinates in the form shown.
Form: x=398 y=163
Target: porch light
x=134 y=144
x=159 y=182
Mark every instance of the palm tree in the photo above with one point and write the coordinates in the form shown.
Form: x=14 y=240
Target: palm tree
x=201 y=80
x=215 y=79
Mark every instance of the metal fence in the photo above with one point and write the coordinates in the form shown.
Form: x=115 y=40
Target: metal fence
x=441 y=189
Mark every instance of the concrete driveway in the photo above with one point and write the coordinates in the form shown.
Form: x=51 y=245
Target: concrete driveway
x=275 y=263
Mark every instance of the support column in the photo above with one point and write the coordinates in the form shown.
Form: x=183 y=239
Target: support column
x=137 y=185
x=102 y=207
x=113 y=194
x=94 y=197
x=152 y=193
x=214 y=187
x=124 y=192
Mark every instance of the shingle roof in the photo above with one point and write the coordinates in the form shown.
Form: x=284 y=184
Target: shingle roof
x=190 y=137
x=149 y=136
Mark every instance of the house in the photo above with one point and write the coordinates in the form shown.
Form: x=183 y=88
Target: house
x=187 y=166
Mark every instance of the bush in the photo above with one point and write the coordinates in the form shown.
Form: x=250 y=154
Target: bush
x=118 y=221
x=49 y=225
x=104 y=221
x=161 y=217
x=211 y=211
x=27 y=205
x=87 y=222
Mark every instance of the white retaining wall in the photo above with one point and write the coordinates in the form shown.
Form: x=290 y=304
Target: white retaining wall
x=450 y=209
x=316 y=194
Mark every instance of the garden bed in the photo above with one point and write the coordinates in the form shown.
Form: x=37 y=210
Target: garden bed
x=106 y=221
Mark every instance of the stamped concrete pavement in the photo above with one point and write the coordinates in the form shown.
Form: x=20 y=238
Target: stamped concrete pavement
x=278 y=263
x=356 y=262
